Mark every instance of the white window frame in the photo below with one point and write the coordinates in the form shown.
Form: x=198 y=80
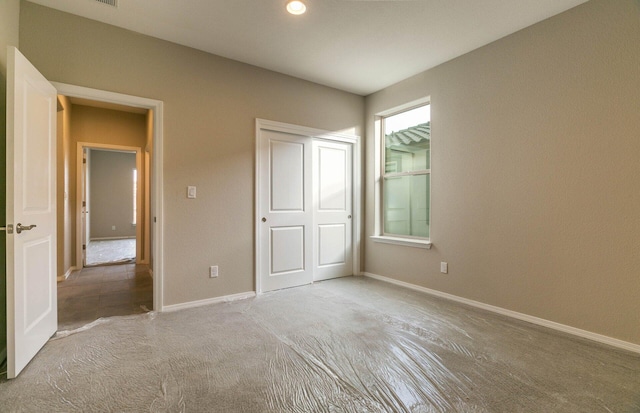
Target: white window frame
x=379 y=235
x=135 y=197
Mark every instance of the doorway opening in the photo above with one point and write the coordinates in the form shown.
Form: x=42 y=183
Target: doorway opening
x=108 y=204
x=112 y=209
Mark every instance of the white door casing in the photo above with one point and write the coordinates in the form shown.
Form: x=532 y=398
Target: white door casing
x=281 y=245
x=332 y=200
x=31 y=201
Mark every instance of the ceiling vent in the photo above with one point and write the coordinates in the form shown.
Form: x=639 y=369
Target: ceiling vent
x=112 y=3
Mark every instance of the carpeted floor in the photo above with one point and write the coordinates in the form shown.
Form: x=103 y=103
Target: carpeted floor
x=347 y=345
x=111 y=251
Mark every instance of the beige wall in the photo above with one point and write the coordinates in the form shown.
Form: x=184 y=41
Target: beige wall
x=210 y=107
x=535 y=166
x=108 y=126
x=111 y=182
x=9 y=13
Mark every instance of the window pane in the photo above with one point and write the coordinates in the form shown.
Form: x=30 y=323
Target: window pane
x=407 y=141
x=135 y=196
x=406 y=205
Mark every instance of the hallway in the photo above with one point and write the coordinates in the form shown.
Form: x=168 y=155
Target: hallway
x=105 y=291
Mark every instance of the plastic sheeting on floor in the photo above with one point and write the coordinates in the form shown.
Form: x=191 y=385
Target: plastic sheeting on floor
x=348 y=345
x=111 y=251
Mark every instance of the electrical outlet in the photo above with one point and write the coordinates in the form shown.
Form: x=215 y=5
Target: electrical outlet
x=444 y=267
x=191 y=192
x=213 y=271
x=113 y=227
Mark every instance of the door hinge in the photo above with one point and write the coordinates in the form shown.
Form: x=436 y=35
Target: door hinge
x=84 y=204
x=84 y=247
x=84 y=160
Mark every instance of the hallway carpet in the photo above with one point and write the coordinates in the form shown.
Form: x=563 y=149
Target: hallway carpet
x=347 y=345
x=111 y=251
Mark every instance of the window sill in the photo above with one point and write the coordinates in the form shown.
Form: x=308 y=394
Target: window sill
x=408 y=242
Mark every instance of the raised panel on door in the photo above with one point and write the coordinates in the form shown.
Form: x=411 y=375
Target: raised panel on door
x=333 y=193
x=286 y=184
x=332 y=244
x=286 y=216
x=287 y=250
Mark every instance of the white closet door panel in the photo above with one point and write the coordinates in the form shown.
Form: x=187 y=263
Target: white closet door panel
x=333 y=190
x=285 y=215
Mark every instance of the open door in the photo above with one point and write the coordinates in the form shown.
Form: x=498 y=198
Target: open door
x=31 y=212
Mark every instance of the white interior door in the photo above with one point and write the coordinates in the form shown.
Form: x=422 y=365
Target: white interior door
x=285 y=210
x=333 y=208
x=31 y=253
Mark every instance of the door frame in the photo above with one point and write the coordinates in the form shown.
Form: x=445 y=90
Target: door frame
x=156 y=190
x=80 y=181
x=263 y=124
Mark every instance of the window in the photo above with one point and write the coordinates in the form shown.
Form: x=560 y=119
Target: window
x=135 y=196
x=405 y=176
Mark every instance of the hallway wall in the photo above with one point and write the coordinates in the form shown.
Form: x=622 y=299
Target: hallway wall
x=111 y=194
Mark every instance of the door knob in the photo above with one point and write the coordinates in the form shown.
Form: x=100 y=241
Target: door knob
x=264 y=219
x=20 y=228
x=349 y=217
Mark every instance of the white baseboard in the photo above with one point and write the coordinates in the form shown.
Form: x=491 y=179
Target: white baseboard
x=625 y=345
x=66 y=274
x=215 y=300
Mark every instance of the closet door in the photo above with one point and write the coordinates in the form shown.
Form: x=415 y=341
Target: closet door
x=285 y=210
x=332 y=193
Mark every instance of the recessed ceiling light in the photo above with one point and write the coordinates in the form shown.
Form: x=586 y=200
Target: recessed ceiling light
x=296 y=7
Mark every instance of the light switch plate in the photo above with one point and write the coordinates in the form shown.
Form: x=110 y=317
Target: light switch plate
x=444 y=267
x=191 y=192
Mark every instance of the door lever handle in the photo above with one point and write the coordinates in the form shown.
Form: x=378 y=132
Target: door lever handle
x=20 y=228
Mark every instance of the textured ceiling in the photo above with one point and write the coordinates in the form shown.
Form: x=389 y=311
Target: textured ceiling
x=360 y=46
